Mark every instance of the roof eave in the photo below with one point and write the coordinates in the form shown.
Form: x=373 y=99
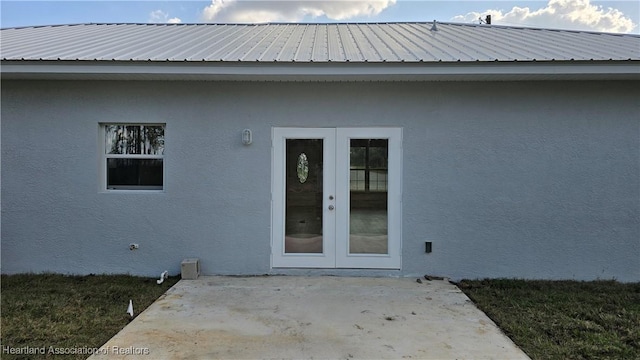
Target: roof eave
x=326 y=71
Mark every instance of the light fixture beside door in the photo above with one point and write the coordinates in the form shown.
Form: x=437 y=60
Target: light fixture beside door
x=247 y=137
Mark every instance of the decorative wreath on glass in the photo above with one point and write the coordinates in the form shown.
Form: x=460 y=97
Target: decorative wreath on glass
x=303 y=168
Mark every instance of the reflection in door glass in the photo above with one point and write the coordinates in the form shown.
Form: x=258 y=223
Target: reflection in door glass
x=303 y=211
x=368 y=172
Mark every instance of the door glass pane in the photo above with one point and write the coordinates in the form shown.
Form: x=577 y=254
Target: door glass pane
x=368 y=196
x=303 y=209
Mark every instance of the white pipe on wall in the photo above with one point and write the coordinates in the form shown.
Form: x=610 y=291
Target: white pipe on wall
x=164 y=275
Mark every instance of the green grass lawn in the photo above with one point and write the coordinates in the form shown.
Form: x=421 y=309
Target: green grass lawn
x=70 y=311
x=564 y=319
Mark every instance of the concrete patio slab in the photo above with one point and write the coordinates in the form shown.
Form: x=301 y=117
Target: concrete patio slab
x=311 y=317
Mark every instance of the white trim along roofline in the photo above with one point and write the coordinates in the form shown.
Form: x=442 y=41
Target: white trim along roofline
x=321 y=71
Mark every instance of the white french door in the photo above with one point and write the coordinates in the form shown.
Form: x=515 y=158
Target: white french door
x=336 y=197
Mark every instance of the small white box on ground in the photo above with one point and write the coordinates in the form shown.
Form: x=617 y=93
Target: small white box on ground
x=190 y=269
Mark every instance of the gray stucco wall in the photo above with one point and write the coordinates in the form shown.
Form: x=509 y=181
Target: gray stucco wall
x=528 y=179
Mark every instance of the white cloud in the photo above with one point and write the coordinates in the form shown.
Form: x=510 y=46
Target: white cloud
x=211 y=12
x=290 y=10
x=559 y=14
x=159 y=16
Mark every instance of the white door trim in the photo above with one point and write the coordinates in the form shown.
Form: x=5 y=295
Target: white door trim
x=278 y=192
x=336 y=159
x=392 y=260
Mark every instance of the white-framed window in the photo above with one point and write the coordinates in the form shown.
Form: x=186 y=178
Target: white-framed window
x=133 y=156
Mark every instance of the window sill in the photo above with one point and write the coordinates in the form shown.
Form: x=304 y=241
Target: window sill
x=132 y=191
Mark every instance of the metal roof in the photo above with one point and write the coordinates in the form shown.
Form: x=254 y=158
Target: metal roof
x=312 y=43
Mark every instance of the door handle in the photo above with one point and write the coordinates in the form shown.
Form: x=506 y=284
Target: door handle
x=331 y=207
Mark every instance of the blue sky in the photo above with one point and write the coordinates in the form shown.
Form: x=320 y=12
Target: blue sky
x=591 y=15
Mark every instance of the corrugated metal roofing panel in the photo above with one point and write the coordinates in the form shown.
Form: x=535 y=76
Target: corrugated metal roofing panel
x=360 y=34
x=304 y=50
x=380 y=50
x=319 y=44
x=277 y=44
x=399 y=50
x=432 y=42
x=334 y=45
x=215 y=45
x=349 y=44
x=342 y=42
x=405 y=34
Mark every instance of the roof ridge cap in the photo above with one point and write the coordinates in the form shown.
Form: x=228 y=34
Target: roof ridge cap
x=445 y=23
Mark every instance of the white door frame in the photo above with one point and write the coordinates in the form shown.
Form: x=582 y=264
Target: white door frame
x=336 y=147
x=344 y=259
x=278 y=193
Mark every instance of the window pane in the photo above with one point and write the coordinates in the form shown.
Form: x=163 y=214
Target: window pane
x=134 y=174
x=368 y=196
x=134 y=139
x=368 y=160
x=303 y=214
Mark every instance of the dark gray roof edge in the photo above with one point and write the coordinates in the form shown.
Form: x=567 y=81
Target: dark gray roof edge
x=320 y=63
